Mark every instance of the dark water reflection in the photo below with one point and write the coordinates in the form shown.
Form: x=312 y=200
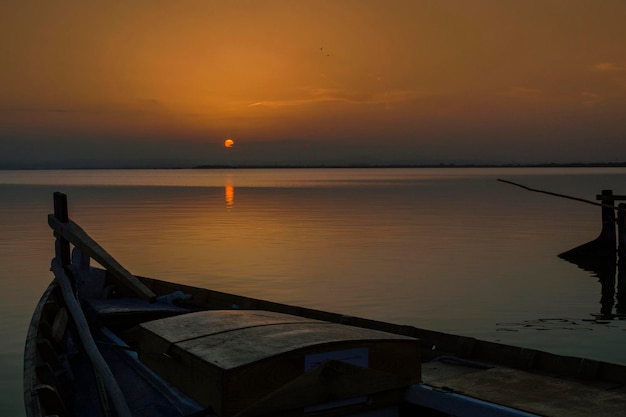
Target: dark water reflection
x=450 y=250
x=612 y=278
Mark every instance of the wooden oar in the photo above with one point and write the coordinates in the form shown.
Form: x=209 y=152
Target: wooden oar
x=98 y=362
x=79 y=238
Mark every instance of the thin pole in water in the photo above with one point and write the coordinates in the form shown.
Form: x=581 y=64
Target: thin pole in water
x=569 y=197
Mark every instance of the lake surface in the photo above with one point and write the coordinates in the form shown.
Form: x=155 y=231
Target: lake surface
x=448 y=249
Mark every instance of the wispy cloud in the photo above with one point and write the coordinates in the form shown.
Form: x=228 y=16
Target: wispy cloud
x=547 y=97
x=616 y=72
x=322 y=95
x=591 y=98
x=609 y=67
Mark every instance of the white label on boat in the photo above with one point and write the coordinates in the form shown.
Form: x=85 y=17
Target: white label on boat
x=357 y=356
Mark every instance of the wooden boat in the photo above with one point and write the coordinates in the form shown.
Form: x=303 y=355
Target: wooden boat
x=103 y=342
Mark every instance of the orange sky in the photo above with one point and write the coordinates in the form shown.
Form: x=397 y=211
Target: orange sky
x=163 y=83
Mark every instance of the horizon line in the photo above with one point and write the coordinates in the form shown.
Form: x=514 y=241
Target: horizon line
x=344 y=166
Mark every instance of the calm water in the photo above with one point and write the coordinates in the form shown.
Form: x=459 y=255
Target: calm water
x=445 y=249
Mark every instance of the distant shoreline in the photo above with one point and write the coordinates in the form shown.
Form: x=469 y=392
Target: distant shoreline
x=339 y=166
x=441 y=165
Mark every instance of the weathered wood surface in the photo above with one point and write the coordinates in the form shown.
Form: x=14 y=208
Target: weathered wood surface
x=232 y=338
x=127 y=312
x=230 y=359
x=79 y=238
x=540 y=394
x=206 y=323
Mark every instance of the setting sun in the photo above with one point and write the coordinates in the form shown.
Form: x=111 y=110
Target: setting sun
x=311 y=83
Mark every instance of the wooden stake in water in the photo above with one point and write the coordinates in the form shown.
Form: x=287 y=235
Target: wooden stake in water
x=605 y=244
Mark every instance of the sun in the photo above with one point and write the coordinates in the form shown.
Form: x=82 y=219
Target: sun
x=228 y=143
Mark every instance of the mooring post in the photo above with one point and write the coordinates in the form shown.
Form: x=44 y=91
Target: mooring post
x=62 y=246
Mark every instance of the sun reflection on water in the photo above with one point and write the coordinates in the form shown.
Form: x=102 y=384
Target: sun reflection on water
x=229 y=192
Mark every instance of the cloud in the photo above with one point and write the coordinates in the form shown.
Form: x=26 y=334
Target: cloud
x=537 y=96
x=615 y=72
x=591 y=98
x=609 y=67
x=321 y=95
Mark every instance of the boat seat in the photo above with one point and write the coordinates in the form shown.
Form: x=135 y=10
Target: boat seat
x=127 y=312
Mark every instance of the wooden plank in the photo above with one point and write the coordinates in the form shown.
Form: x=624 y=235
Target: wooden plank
x=232 y=338
x=543 y=395
x=127 y=312
x=79 y=238
x=194 y=326
x=245 y=346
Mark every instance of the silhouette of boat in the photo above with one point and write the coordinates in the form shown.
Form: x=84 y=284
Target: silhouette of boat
x=104 y=342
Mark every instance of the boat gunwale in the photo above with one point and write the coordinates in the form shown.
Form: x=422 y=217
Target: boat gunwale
x=31 y=400
x=434 y=343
